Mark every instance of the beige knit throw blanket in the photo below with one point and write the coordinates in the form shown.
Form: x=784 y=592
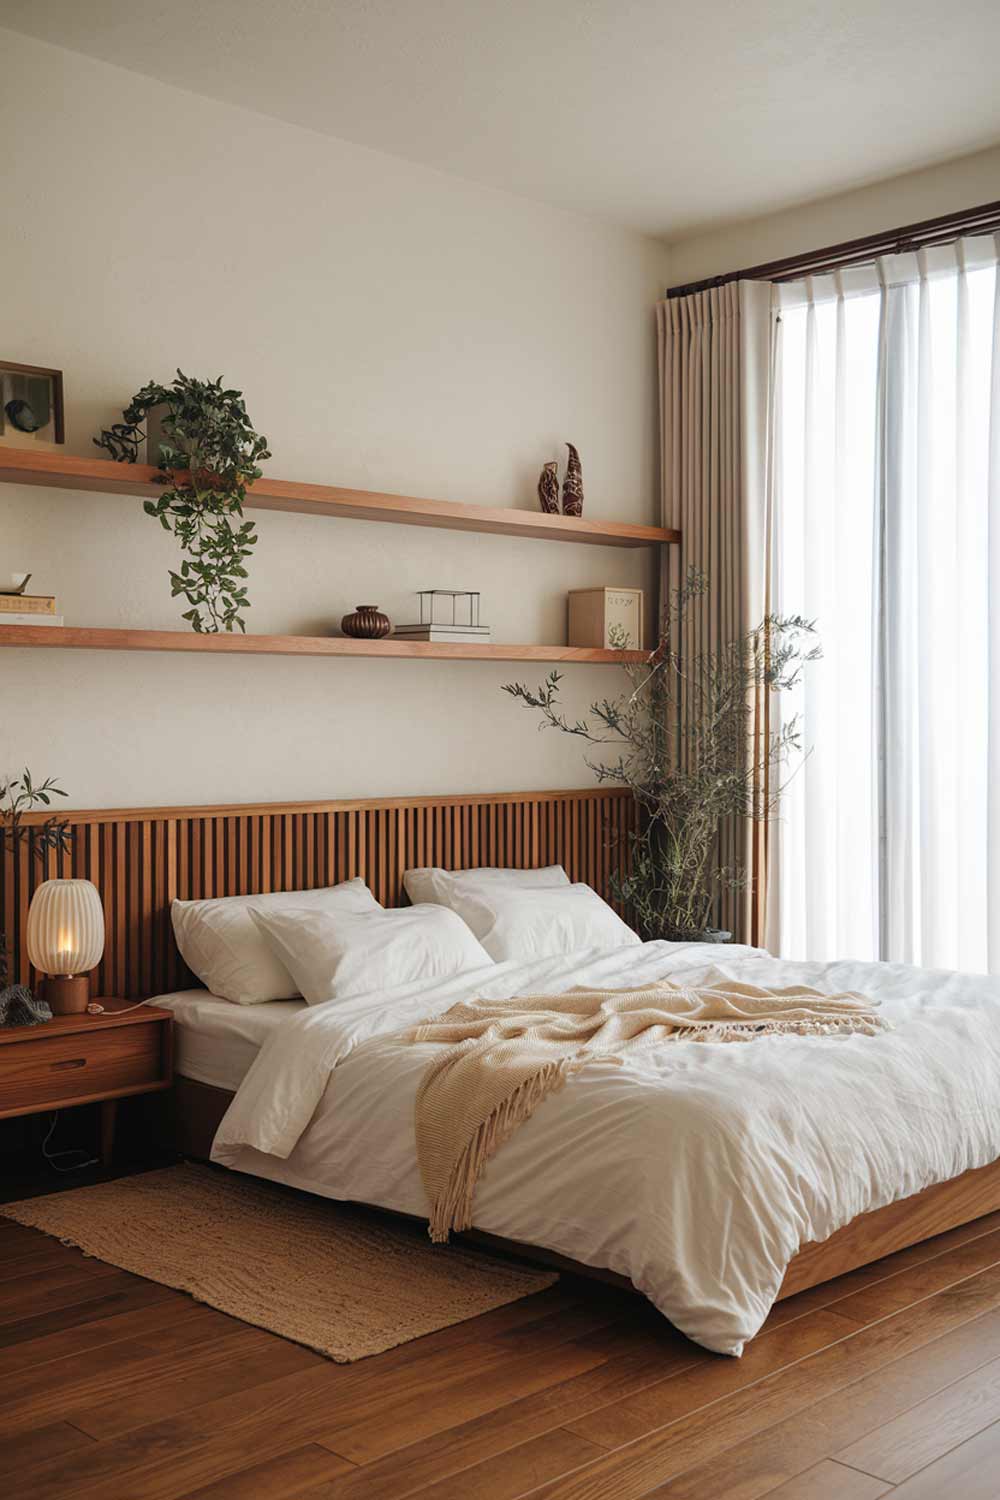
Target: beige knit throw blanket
x=500 y=1059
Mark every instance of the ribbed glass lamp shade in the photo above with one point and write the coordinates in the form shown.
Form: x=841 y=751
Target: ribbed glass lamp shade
x=65 y=927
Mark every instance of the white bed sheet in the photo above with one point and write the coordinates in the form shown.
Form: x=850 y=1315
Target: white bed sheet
x=697 y=1170
x=215 y=1041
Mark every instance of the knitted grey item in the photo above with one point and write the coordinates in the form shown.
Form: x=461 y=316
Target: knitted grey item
x=19 y=1007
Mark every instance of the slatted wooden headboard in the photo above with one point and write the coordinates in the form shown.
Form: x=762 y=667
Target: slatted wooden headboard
x=141 y=858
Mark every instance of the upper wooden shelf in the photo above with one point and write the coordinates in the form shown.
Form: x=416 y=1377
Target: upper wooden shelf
x=87 y=638
x=63 y=471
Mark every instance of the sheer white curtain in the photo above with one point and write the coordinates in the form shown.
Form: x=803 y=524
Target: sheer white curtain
x=887 y=532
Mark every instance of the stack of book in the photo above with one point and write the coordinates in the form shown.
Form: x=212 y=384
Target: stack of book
x=28 y=609
x=469 y=634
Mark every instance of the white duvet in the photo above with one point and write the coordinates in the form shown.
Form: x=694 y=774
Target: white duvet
x=697 y=1170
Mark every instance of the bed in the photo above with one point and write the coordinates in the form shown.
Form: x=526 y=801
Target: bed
x=834 y=1153
x=697 y=1174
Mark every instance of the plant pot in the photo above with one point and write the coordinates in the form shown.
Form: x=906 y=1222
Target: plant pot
x=703 y=935
x=367 y=623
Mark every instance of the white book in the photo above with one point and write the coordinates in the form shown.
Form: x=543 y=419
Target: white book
x=23 y=619
x=445 y=633
x=467 y=630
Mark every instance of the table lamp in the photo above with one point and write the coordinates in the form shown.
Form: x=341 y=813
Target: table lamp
x=65 y=940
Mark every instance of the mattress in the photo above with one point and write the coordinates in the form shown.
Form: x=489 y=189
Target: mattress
x=215 y=1042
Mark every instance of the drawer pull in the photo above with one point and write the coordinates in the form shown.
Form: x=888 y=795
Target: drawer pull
x=71 y=1062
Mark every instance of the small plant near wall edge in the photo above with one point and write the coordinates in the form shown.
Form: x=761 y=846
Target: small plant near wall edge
x=19 y=795
x=209 y=453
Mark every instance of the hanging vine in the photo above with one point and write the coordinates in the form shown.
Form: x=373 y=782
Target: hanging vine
x=209 y=453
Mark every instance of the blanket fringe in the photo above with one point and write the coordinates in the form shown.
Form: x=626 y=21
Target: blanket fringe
x=748 y=1031
x=453 y=1209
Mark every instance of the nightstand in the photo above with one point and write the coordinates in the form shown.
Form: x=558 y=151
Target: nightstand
x=85 y=1059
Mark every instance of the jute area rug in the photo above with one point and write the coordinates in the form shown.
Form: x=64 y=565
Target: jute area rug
x=343 y=1280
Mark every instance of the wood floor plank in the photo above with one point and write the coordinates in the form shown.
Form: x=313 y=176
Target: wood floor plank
x=922 y=1280
x=713 y=1378
x=969 y=1472
x=53 y=1296
x=560 y=1327
x=32 y=1279
x=30 y=1448
x=235 y=1365
x=928 y=1430
x=40 y=1257
x=365 y=1437
x=108 y=1304
x=119 y=1373
x=646 y=1464
x=461 y=1447
x=831 y=1481
x=167 y=1458
x=140 y=1323
x=280 y=1478
x=759 y=1463
x=517 y=1471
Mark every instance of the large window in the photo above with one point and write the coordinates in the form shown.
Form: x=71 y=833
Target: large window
x=887 y=532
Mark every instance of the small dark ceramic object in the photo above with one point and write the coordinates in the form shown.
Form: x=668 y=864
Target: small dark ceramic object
x=367 y=623
x=572 y=490
x=548 y=488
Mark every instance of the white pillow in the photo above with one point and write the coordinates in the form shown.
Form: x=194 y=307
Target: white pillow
x=334 y=955
x=433 y=884
x=515 y=923
x=219 y=942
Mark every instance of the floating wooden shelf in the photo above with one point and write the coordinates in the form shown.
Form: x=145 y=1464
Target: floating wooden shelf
x=63 y=471
x=86 y=639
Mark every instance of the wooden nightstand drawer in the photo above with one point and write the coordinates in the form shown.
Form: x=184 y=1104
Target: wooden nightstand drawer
x=76 y=1059
x=42 y=1070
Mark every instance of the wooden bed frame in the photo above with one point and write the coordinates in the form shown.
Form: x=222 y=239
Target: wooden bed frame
x=198 y=1109
x=141 y=858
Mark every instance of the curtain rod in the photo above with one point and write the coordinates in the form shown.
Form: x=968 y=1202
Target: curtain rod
x=982 y=220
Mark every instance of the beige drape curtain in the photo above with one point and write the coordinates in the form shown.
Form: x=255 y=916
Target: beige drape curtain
x=716 y=363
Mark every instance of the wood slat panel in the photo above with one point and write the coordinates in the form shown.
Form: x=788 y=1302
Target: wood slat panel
x=140 y=859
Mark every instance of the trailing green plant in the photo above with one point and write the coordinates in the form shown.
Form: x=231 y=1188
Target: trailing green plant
x=688 y=752
x=20 y=795
x=209 y=453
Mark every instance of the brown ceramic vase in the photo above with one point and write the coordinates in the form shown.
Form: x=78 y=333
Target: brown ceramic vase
x=367 y=623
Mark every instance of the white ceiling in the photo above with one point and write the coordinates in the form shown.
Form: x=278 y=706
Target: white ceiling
x=661 y=116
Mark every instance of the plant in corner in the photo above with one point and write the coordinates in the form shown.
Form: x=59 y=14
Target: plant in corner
x=19 y=795
x=684 y=733
x=209 y=453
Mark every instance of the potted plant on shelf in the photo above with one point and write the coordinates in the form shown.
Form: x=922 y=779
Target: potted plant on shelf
x=689 y=756
x=209 y=453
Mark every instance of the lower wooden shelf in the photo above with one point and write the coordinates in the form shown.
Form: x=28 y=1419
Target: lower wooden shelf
x=84 y=638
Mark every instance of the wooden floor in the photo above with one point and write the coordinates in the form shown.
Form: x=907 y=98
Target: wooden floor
x=886 y=1382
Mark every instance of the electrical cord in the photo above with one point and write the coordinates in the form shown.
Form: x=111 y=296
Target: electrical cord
x=53 y=1157
x=93 y=1009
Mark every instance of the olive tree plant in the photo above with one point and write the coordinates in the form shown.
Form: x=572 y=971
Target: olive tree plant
x=682 y=738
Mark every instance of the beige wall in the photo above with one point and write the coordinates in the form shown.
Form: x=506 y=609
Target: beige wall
x=964 y=183
x=392 y=328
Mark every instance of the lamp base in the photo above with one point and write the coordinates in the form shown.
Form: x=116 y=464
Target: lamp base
x=67 y=994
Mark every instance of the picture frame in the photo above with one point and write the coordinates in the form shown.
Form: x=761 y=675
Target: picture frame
x=32 y=412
